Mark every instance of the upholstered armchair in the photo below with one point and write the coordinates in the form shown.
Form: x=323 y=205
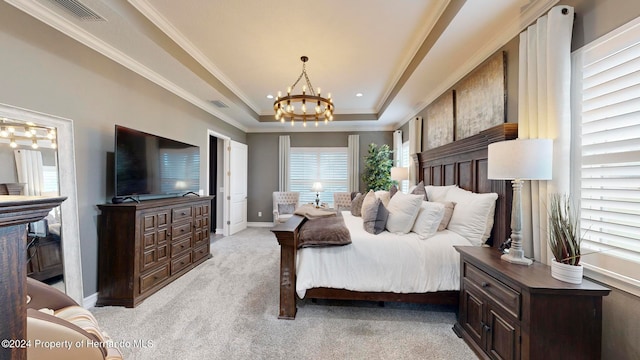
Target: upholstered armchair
x=342 y=201
x=284 y=204
x=52 y=316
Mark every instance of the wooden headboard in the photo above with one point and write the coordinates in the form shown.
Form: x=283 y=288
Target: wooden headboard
x=464 y=163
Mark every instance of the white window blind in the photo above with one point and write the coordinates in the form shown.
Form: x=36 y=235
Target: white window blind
x=608 y=145
x=326 y=165
x=404 y=162
x=50 y=177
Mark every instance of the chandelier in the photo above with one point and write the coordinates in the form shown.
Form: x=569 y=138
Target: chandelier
x=309 y=106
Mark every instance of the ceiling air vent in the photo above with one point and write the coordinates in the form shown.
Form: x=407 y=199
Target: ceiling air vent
x=219 y=104
x=79 y=10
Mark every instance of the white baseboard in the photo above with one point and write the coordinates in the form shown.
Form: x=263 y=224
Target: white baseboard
x=90 y=301
x=260 y=224
x=219 y=231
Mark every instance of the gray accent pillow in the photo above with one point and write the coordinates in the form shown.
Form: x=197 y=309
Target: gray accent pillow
x=448 y=211
x=420 y=190
x=392 y=191
x=286 y=208
x=356 y=205
x=374 y=217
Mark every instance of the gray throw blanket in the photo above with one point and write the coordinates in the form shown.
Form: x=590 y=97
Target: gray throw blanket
x=324 y=231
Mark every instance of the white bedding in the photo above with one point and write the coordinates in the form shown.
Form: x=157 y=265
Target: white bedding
x=382 y=263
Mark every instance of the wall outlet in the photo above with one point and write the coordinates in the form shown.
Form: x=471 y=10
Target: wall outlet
x=221 y=189
x=259 y=213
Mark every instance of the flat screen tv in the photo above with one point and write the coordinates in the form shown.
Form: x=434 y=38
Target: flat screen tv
x=147 y=164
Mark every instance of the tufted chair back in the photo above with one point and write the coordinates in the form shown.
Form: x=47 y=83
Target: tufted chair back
x=284 y=204
x=342 y=201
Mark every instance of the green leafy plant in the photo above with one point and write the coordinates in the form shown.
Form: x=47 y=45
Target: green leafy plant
x=564 y=230
x=377 y=168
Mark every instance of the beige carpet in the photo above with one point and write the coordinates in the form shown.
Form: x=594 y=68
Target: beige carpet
x=227 y=308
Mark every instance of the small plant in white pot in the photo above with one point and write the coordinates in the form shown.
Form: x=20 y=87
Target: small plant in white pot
x=564 y=240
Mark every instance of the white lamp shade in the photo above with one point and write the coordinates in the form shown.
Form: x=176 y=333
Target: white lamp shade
x=522 y=159
x=399 y=173
x=317 y=187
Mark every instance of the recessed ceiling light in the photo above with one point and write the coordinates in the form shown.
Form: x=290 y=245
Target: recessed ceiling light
x=359 y=94
x=269 y=96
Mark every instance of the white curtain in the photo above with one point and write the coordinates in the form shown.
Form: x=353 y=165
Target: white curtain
x=415 y=146
x=283 y=164
x=30 y=171
x=353 y=160
x=544 y=112
x=397 y=147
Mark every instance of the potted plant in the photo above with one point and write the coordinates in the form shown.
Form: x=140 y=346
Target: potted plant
x=564 y=240
x=377 y=167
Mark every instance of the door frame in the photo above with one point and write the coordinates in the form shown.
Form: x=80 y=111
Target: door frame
x=225 y=182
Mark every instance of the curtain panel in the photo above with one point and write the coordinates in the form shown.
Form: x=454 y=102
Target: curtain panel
x=30 y=171
x=415 y=146
x=353 y=163
x=284 y=149
x=544 y=111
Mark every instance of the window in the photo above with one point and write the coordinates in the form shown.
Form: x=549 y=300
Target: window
x=404 y=162
x=50 y=177
x=607 y=153
x=326 y=165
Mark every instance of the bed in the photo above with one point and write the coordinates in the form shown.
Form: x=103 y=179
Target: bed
x=462 y=163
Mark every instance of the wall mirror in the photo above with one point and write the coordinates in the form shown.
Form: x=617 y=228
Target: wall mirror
x=59 y=151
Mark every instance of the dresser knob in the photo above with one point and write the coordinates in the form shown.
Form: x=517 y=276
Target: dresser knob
x=485 y=284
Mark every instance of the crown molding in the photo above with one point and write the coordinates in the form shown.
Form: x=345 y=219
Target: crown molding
x=148 y=11
x=278 y=128
x=66 y=27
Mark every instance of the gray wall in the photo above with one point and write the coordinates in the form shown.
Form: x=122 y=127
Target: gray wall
x=45 y=71
x=263 y=162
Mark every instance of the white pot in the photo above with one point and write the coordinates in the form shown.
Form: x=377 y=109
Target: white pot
x=567 y=273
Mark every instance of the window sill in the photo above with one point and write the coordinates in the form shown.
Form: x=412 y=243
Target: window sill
x=611 y=279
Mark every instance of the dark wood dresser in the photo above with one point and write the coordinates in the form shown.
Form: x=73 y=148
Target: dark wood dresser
x=144 y=246
x=15 y=213
x=510 y=311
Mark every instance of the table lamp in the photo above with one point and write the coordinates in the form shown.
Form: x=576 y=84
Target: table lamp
x=519 y=160
x=399 y=173
x=317 y=188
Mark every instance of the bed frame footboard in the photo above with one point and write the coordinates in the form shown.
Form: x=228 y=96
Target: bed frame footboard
x=287 y=235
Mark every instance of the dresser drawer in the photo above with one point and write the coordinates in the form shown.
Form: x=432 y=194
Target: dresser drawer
x=505 y=296
x=179 y=230
x=178 y=247
x=180 y=263
x=181 y=213
x=200 y=252
x=153 y=278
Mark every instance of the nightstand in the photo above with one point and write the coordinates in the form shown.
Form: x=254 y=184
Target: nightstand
x=510 y=311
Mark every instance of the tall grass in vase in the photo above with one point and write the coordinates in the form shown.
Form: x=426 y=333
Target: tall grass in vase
x=564 y=240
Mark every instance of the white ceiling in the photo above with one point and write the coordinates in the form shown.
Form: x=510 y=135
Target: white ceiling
x=238 y=52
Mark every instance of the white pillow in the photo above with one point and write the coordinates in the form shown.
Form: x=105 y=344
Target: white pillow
x=473 y=214
x=429 y=217
x=403 y=209
x=438 y=193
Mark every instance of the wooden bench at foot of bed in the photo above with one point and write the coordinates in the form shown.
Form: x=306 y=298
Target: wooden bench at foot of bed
x=464 y=163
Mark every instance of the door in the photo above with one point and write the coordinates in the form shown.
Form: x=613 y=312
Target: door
x=237 y=186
